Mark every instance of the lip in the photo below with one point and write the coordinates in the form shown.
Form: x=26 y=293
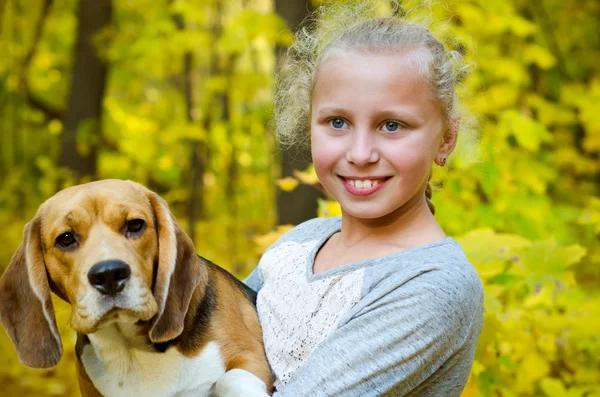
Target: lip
x=360 y=191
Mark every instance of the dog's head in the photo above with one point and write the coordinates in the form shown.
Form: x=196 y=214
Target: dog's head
x=110 y=248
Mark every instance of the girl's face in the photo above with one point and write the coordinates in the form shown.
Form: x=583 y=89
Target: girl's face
x=375 y=131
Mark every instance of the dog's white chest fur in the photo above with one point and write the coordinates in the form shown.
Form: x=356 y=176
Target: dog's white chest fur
x=119 y=369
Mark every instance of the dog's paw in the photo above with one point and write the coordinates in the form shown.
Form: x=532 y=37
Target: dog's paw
x=238 y=383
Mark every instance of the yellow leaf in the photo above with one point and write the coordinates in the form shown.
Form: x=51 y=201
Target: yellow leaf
x=543 y=298
x=287 y=184
x=539 y=55
x=263 y=242
x=329 y=208
x=209 y=179
x=591 y=214
x=547 y=258
x=553 y=387
x=497 y=97
x=477 y=368
x=528 y=132
x=165 y=163
x=471 y=388
x=486 y=247
x=308 y=176
x=55 y=127
x=521 y=26
x=245 y=159
x=532 y=369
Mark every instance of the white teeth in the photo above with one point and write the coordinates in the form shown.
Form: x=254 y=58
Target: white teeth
x=366 y=184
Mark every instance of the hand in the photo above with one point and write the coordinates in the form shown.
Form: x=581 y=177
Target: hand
x=238 y=383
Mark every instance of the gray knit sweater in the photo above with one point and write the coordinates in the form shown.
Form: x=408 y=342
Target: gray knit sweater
x=404 y=324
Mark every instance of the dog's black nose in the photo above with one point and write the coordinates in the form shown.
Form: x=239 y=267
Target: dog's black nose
x=109 y=277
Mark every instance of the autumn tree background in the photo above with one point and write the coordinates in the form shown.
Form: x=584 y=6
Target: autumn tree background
x=177 y=94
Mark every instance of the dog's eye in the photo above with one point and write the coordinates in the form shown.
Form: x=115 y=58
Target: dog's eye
x=65 y=240
x=135 y=226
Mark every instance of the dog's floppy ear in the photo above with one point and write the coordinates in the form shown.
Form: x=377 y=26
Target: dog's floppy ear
x=26 y=309
x=178 y=274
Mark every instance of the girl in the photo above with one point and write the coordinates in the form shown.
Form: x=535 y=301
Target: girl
x=379 y=301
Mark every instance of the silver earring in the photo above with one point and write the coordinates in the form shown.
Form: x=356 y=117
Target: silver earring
x=443 y=161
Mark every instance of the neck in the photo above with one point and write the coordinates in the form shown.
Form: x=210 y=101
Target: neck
x=120 y=335
x=409 y=226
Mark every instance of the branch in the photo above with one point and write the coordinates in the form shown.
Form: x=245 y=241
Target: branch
x=38 y=32
x=50 y=111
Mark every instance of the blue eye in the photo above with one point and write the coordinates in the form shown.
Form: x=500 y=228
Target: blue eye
x=391 y=126
x=337 y=123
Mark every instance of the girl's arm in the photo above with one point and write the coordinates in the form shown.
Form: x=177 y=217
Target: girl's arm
x=415 y=339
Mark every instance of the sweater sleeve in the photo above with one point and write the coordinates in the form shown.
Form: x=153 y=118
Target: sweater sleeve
x=254 y=280
x=396 y=341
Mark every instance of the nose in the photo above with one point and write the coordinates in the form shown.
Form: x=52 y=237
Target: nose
x=109 y=277
x=363 y=149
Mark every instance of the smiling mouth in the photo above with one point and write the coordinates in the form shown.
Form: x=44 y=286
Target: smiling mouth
x=363 y=186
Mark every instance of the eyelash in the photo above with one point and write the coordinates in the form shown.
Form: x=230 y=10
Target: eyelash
x=399 y=124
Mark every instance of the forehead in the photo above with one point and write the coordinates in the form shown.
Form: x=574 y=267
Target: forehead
x=103 y=199
x=374 y=78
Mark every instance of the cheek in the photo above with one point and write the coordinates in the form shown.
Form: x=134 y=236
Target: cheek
x=409 y=162
x=410 y=155
x=59 y=267
x=148 y=252
x=325 y=151
x=146 y=245
x=412 y=165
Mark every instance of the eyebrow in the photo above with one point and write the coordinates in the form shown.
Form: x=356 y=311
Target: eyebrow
x=61 y=223
x=334 y=110
x=69 y=218
x=402 y=114
x=73 y=218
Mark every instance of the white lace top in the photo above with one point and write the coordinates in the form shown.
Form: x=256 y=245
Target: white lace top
x=297 y=313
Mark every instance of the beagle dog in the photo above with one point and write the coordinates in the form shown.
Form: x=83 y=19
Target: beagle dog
x=152 y=317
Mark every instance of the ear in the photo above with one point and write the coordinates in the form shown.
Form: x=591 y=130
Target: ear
x=178 y=274
x=449 y=139
x=26 y=309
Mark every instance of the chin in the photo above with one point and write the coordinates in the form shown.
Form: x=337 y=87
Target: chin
x=114 y=315
x=371 y=212
x=378 y=209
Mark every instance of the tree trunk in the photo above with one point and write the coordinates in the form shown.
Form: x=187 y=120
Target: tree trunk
x=83 y=116
x=300 y=204
x=197 y=165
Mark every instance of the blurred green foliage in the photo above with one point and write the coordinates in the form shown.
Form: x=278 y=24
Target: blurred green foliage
x=523 y=202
